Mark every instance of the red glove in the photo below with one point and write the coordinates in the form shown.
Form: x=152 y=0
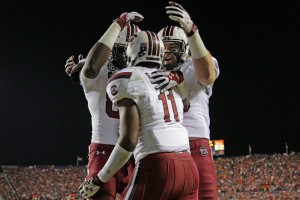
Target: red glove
x=73 y=69
x=90 y=187
x=125 y=18
x=165 y=80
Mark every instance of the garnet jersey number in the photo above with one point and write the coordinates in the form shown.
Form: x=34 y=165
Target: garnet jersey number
x=164 y=99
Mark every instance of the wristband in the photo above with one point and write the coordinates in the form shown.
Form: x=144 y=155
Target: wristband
x=193 y=30
x=116 y=160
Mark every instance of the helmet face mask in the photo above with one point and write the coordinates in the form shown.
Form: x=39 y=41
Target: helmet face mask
x=175 y=35
x=173 y=55
x=118 y=56
x=145 y=46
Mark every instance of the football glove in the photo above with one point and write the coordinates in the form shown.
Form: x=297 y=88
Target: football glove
x=165 y=80
x=69 y=65
x=177 y=13
x=73 y=69
x=90 y=187
x=125 y=18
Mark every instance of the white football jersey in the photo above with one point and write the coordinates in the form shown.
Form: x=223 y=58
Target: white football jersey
x=105 y=116
x=197 y=120
x=161 y=114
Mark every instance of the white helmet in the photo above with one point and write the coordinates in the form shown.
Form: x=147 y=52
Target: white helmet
x=170 y=34
x=145 y=46
x=126 y=33
x=119 y=57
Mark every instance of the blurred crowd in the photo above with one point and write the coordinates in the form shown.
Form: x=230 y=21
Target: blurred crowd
x=41 y=182
x=273 y=176
x=258 y=176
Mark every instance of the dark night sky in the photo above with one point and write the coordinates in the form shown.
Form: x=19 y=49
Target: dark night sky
x=44 y=117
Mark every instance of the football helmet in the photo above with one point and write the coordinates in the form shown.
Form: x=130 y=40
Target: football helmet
x=174 y=34
x=145 y=46
x=118 y=56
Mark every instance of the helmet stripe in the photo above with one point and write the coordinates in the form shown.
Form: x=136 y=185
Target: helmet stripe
x=158 y=45
x=149 y=43
x=154 y=46
x=131 y=29
x=128 y=32
x=171 y=31
x=166 y=31
x=155 y=41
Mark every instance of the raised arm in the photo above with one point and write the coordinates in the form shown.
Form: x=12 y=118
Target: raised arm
x=101 y=50
x=202 y=58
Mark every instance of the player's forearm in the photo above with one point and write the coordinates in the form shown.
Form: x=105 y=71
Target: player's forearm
x=96 y=58
x=101 y=51
x=202 y=60
x=129 y=124
x=204 y=68
x=116 y=160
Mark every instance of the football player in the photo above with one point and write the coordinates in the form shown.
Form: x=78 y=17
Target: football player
x=150 y=128
x=199 y=71
x=105 y=58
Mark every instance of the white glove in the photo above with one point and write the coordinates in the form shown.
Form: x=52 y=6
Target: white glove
x=165 y=80
x=177 y=13
x=90 y=187
x=126 y=18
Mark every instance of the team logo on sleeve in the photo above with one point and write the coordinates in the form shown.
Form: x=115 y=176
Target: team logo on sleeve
x=203 y=151
x=113 y=90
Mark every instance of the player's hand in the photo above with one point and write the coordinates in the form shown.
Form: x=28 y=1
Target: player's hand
x=177 y=13
x=186 y=104
x=165 y=80
x=126 y=18
x=89 y=187
x=70 y=63
x=73 y=69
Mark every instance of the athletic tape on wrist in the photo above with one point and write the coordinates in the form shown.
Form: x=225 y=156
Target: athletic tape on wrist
x=110 y=36
x=197 y=47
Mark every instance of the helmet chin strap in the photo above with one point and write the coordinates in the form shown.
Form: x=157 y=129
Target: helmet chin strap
x=175 y=66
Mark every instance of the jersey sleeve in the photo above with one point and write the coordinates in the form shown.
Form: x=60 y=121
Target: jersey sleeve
x=119 y=87
x=191 y=78
x=209 y=89
x=95 y=84
x=89 y=84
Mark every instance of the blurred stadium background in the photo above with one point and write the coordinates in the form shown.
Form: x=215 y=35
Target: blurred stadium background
x=257 y=176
